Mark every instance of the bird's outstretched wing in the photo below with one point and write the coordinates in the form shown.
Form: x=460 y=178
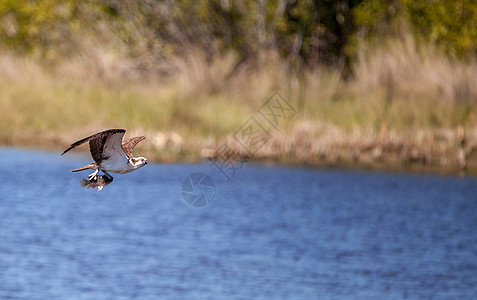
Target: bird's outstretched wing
x=129 y=145
x=102 y=145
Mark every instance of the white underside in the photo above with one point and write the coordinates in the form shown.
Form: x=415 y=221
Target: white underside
x=118 y=162
x=118 y=165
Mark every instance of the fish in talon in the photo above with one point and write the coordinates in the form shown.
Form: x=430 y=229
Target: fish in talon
x=99 y=181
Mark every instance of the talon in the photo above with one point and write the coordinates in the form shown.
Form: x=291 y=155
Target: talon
x=93 y=175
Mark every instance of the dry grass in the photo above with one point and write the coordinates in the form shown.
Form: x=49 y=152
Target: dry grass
x=403 y=69
x=406 y=107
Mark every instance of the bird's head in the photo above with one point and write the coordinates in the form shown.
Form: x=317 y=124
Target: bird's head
x=139 y=162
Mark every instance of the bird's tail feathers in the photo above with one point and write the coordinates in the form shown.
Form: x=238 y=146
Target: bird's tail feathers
x=90 y=166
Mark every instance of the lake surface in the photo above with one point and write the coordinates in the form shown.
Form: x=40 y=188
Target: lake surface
x=269 y=233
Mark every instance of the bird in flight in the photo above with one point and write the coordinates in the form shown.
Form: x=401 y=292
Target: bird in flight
x=110 y=154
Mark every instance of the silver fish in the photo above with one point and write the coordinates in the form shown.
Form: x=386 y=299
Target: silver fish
x=99 y=181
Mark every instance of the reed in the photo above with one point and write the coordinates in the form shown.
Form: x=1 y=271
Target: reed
x=407 y=106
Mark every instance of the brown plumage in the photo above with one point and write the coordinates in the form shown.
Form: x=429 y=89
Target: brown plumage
x=109 y=153
x=97 y=142
x=129 y=145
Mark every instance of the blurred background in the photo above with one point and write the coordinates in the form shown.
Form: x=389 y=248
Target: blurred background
x=380 y=85
x=376 y=84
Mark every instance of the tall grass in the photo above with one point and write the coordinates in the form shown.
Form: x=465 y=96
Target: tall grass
x=406 y=105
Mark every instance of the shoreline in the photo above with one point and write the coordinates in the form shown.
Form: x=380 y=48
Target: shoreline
x=454 y=157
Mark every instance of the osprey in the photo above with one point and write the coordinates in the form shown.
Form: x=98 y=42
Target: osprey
x=110 y=154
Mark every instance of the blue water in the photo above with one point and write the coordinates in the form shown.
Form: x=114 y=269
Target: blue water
x=269 y=233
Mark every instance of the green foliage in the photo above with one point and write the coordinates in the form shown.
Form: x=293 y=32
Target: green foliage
x=450 y=24
x=38 y=27
x=299 y=31
x=306 y=32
